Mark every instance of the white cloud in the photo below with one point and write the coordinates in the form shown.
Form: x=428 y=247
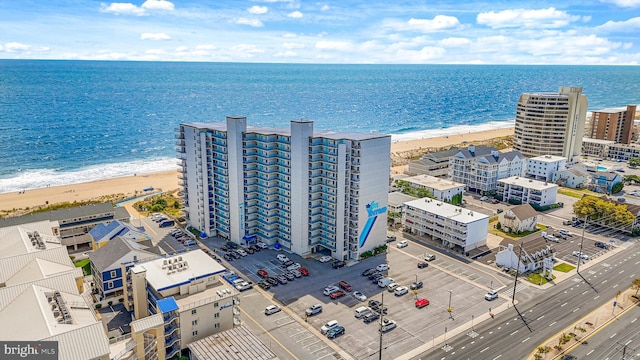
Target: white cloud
x=158 y=5
x=285 y=54
x=546 y=18
x=439 y=22
x=248 y=48
x=16 y=47
x=454 y=42
x=182 y=48
x=590 y=45
x=1 y=47
x=206 y=47
x=154 y=36
x=334 y=45
x=155 y=52
x=293 y=46
x=625 y=3
x=122 y=8
x=257 y=10
x=289 y=35
x=324 y=7
x=250 y=22
x=630 y=25
x=295 y=14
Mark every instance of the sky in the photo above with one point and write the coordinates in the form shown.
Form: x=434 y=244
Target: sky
x=574 y=32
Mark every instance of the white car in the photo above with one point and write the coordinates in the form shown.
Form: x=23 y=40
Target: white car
x=271 y=309
x=360 y=296
x=382 y=267
x=391 y=287
x=387 y=325
x=283 y=258
x=329 y=289
x=294 y=266
x=582 y=256
x=261 y=245
x=325 y=259
x=400 y=290
x=241 y=252
x=328 y=326
x=402 y=244
x=491 y=295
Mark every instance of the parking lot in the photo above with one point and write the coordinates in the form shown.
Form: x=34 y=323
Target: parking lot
x=444 y=284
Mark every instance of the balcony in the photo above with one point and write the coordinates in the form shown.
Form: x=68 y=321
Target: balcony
x=172 y=351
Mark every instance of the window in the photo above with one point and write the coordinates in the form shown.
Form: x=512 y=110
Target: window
x=194 y=322
x=193 y=311
x=194 y=333
x=110 y=285
x=216 y=315
x=216 y=326
x=113 y=274
x=215 y=304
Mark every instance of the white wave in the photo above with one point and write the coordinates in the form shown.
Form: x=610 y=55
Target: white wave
x=454 y=130
x=39 y=178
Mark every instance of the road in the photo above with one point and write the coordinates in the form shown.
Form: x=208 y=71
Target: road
x=507 y=336
x=610 y=342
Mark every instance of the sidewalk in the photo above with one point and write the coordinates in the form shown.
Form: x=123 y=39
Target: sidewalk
x=583 y=329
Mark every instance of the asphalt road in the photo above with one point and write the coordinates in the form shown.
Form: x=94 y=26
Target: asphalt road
x=507 y=336
x=610 y=341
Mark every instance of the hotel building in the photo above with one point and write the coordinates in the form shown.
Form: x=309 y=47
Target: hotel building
x=551 y=123
x=305 y=190
x=615 y=124
x=455 y=226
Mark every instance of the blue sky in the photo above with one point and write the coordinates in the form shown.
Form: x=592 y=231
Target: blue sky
x=346 y=31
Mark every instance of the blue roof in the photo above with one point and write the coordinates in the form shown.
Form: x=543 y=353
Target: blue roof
x=167 y=305
x=101 y=230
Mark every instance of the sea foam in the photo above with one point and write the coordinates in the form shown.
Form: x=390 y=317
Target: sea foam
x=454 y=130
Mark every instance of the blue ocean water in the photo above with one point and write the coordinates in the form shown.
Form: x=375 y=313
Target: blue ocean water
x=71 y=121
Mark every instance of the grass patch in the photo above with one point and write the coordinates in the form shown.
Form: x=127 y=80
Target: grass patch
x=564 y=267
x=85 y=265
x=538 y=279
x=576 y=193
x=494 y=231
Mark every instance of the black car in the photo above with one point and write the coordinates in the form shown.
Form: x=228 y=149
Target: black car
x=376 y=306
x=374 y=274
x=271 y=280
x=264 y=284
x=224 y=248
x=338 y=264
x=227 y=257
x=602 y=245
x=231 y=245
x=376 y=278
x=374 y=303
x=249 y=250
x=370 y=317
x=416 y=285
x=287 y=263
x=422 y=265
x=368 y=272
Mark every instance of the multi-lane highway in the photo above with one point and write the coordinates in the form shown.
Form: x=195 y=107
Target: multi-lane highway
x=514 y=333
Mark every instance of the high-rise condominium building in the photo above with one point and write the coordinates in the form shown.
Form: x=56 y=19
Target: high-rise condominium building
x=615 y=124
x=551 y=123
x=302 y=189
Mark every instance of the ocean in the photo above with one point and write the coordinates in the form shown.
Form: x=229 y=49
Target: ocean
x=64 y=122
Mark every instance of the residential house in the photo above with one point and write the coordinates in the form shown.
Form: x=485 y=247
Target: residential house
x=480 y=167
x=518 y=219
x=530 y=253
x=604 y=181
x=573 y=178
x=103 y=233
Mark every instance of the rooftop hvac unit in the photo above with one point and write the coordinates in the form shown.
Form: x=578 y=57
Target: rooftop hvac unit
x=164 y=262
x=179 y=258
x=56 y=314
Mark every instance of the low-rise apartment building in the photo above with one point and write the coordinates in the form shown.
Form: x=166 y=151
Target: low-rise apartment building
x=443 y=190
x=433 y=163
x=455 y=226
x=623 y=152
x=542 y=167
x=395 y=207
x=596 y=147
x=480 y=167
x=522 y=190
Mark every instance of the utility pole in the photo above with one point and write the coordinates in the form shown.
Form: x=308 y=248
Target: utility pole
x=515 y=283
x=380 y=329
x=584 y=227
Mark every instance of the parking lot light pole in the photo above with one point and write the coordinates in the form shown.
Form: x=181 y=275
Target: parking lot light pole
x=584 y=227
x=449 y=308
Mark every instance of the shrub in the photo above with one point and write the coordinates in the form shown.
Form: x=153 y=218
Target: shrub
x=110 y=303
x=98 y=306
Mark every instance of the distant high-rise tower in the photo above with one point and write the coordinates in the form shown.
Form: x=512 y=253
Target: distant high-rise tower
x=614 y=124
x=551 y=123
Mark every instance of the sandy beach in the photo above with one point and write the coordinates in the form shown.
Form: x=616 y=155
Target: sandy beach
x=168 y=180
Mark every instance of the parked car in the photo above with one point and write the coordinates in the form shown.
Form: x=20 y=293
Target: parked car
x=262 y=273
x=384 y=282
x=368 y=272
x=328 y=326
x=338 y=264
x=402 y=244
x=416 y=285
x=271 y=309
x=241 y=252
x=282 y=258
x=359 y=295
x=345 y=285
x=422 y=265
x=337 y=294
x=261 y=245
x=376 y=277
x=189 y=243
x=248 y=250
x=372 y=275
x=313 y=310
x=254 y=248
x=602 y=245
x=552 y=238
x=491 y=295
x=293 y=266
x=484 y=198
x=387 y=325
x=329 y=289
x=429 y=257
x=392 y=286
x=335 y=332
x=227 y=257
x=295 y=273
x=272 y=280
x=370 y=317
x=391 y=238
x=282 y=279
x=565 y=232
x=325 y=258
x=244 y=286
x=581 y=255
x=289 y=276
x=420 y=303
x=400 y=290
x=495 y=201
x=382 y=267
x=303 y=271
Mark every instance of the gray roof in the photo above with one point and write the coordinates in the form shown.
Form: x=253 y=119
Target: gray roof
x=479 y=151
x=530 y=243
x=508 y=155
x=397 y=198
x=104 y=257
x=232 y=344
x=65 y=214
x=438 y=156
x=524 y=211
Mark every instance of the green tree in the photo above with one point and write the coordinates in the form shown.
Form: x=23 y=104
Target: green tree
x=617 y=188
x=635 y=285
x=596 y=209
x=633 y=162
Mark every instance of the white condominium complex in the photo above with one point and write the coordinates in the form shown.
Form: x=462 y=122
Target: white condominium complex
x=551 y=123
x=305 y=190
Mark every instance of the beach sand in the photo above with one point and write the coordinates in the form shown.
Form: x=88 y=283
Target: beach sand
x=168 y=180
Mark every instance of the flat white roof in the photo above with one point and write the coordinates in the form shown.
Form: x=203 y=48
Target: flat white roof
x=443 y=209
x=528 y=183
x=434 y=182
x=548 y=158
x=613 y=110
x=190 y=265
x=598 y=141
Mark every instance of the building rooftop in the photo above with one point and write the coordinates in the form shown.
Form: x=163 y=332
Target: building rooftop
x=446 y=210
x=548 y=158
x=524 y=211
x=475 y=151
x=397 y=198
x=434 y=182
x=118 y=251
x=613 y=110
x=66 y=214
x=531 y=244
x=27 y=238
x=115 y=228
x=598 y=141
x=233 y=344
x=528 y=183
x=169 y=272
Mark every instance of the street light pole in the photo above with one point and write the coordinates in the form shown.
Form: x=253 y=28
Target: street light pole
x=584 y=226
x=449 y=308
x=380 y=329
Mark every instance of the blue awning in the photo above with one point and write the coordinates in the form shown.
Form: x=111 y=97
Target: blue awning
x=167 y=305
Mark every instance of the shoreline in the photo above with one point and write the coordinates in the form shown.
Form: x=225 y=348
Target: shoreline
x=168 y=180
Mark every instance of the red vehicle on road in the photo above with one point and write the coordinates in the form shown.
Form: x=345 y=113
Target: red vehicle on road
x=262 y=273
x=345 y=285
x=420 y=303
x=337 y=294
x=303 y=271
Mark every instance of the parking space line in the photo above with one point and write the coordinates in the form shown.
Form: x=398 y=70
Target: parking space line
x=303 y=339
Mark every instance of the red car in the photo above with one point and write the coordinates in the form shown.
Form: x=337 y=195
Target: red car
x=336 y=294
x=303 y=271
x=262 y=273
x=420 y=303
x=345 y=285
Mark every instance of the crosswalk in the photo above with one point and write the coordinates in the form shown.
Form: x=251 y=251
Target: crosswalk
x=509 y=291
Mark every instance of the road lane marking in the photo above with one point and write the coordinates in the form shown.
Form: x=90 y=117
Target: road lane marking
x=621 y=272
x=525 y=340
x=628 y=342
x=563 y=304
x=611 y=337
x=596 y=297
x=540 y=317
x=514 y=332
x=485 y=349
x=576 y=309
x=604 y=281
x=589 y=353
x=586 y=291
x=634 y=320
x=553 y=323
x=615 y=286
x=497 y=357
